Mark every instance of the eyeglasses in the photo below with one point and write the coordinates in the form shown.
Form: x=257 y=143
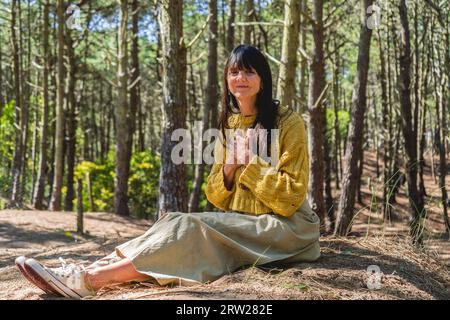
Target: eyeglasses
x=245 y=73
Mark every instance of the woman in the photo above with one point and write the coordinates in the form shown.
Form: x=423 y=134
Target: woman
x=267 y=218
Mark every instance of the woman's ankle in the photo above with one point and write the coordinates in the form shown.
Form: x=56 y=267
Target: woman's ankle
x=91 y=281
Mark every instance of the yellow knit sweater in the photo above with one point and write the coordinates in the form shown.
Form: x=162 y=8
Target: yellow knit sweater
x=252 y=193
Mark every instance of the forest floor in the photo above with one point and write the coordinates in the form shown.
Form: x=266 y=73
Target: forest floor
x=340 y=273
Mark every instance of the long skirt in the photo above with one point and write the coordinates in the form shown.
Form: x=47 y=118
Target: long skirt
x=192 y=248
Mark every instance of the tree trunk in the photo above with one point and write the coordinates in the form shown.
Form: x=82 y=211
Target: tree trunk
x=336 y=125
x=249 y=13
x=303 y=62
x=26 y=92
x=360 y=169
x=409 y=134
x=16 y=196
x=70 y=121
x=418 y=111
x=2 y=97
x=172 y=184
x=440 y=86
x=317 y=114
x=386 y=209
x=230 y=26
x=80 y=228
x=424 y=107
x=329 y=204
x=286 y=78
x=55 y=203
x=123 y=119
x=135 y=91
x=211 y=101
x=354 y=142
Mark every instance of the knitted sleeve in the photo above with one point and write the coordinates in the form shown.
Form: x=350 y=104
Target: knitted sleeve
x=285 y=189
x=215 y=191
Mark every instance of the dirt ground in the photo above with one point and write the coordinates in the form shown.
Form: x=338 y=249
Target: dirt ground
x=340 y=273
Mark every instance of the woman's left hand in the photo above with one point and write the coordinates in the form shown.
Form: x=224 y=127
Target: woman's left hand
x=250 y=137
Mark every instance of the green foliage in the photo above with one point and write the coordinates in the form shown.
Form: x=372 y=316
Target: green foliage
x=343 y=118
x=3 y=204
x=7 y=133
x=203 y=200
x=101 y=179
x=142 y=184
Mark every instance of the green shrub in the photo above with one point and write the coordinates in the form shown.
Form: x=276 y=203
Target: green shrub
x=7 y=138
x=143 y=184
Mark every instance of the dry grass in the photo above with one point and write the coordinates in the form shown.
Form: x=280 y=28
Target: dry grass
x=341 y=273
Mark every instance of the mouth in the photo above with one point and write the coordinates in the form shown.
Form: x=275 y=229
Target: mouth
x=242 y=87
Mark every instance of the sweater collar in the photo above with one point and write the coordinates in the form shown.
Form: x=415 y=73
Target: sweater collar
x=247 y=120
x=237 y=120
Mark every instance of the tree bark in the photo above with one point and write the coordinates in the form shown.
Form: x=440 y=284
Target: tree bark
x=80 y=227
x=135 y=91
x=345 y=212
x=211 y=101
x=286 y=78
x=303 y=62
x=230 y=26
x=386 y=208
x=336 y=125
x=249 y=14
x=71 y=122
x=55 y=203
x=2 y=96
x=329 y=203
x=123 y=119
x=317 y=114
x=409 y=134
x=40 y=180
x=172 y=184
x=440 y=86
x=16 y=196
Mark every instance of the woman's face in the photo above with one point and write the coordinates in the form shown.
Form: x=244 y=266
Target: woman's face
x=243 y=84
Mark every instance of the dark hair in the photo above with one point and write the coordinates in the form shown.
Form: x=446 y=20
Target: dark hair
x=246 y=57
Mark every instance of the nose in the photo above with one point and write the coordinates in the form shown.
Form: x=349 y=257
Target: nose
x=241 y=75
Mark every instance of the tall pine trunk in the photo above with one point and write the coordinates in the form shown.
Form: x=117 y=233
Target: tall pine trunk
x=55 y=202
x=230 y=27
x=355 y=133
x=249 y=29
x=317 y=114
x=16 y=196
x=40 y=181
x=135 y=90
x=71 y=109
x=286 y=79
x=211 y=100
x=173 y=194
x=408 y=128
x=123 y=119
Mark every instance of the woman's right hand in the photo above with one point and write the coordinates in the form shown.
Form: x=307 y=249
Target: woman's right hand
x=229 y=169
x=228 y=174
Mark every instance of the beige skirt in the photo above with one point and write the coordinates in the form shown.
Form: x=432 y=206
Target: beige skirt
x=192 y=248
